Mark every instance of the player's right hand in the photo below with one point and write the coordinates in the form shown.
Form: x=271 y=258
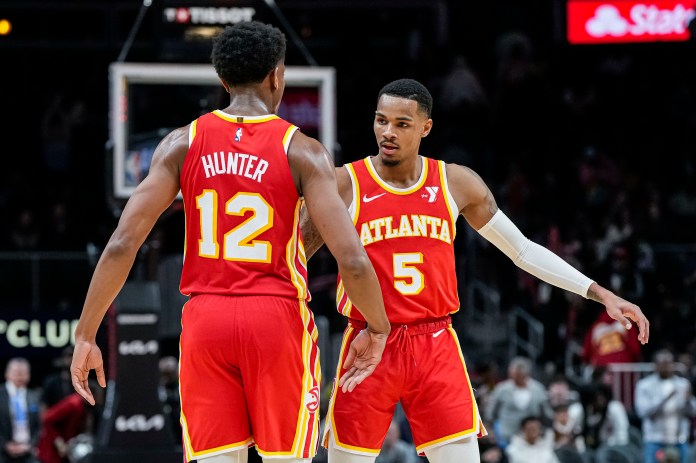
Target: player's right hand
x=624 y=311
x=86 y=356
x=364 y=353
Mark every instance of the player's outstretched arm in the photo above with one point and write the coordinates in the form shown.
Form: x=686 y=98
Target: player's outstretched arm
x=149 y=200
x=478 y=207
x=317 y=182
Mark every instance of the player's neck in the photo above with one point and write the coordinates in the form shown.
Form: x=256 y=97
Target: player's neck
x=403 y=174
x=248 y=104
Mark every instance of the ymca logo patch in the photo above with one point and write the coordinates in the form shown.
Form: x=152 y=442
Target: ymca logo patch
x=431 y=193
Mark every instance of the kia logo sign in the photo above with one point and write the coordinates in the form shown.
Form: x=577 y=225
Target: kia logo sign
x=139 y=423
x=138 y=347
x=629 y=21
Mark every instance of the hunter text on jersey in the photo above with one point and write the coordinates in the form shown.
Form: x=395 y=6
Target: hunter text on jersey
x=234 y=163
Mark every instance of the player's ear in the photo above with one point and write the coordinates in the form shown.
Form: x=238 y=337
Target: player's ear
x=226 y=85
x=427 y=127
x=274 y=78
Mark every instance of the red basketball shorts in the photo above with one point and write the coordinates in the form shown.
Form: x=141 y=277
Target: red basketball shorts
x=422 y=367
x=249 y=375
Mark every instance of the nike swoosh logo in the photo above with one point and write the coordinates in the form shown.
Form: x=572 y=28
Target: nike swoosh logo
x=438 y=333
x=371 y=198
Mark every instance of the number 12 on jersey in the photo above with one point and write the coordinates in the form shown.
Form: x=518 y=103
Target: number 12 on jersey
x=239 y=243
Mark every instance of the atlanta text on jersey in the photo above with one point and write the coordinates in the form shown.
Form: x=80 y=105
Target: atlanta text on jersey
x=386 y=228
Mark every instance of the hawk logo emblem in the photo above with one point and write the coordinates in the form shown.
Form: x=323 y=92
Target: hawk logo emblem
x=312 y=399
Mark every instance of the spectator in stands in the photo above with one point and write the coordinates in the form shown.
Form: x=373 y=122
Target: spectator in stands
x=395 y=449
x=665 y=403
x=520 y=84
x=169 y=393
x=25 y=233
x=600 y=419
x=56 y=134
x=19 y=414
x=57 y=386
x=683 y=201
x=532 y=443
x=623 y=275
x=461 y=89
x=560 y=393
x=670 y=455
x=561 y=397
x=566 y=430
x=64 y=421
x=619 y=228
x=490 y=452
x=515 y=398
x=462 y=103
x=484 y=379
x=60 y=232
x=599 y=176
x=607 y=341
x=601 y=374
x=689 y=371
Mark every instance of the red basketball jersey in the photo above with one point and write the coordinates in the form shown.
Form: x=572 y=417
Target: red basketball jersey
x=408 y=234
x=242 y=209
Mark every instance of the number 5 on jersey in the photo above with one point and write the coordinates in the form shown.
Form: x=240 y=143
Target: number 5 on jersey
x=239 y=243
x=408 y=280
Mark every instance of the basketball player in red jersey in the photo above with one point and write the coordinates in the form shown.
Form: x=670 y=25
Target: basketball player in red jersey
x=249 y=370
x=404 y=207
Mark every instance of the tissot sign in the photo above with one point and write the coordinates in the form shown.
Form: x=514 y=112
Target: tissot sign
x=629 y=21
x=197 y=15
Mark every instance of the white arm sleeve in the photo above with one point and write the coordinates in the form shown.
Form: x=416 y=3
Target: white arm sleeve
x=532 y=257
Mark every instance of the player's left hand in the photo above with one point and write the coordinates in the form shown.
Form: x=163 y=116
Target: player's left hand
x=86 y=356
x=364 y=353
x=624 y=311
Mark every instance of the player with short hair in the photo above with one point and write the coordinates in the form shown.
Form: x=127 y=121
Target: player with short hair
x=249 y=366
x=404 y=207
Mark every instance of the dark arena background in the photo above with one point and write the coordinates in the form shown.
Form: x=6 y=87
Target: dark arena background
x=579 y=115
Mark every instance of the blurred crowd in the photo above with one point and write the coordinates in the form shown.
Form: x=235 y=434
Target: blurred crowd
x=51 y=423
x=528 y=415
x=531 y=417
